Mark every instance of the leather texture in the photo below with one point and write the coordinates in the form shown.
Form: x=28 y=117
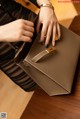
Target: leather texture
x=55 y=73
x=43 y=53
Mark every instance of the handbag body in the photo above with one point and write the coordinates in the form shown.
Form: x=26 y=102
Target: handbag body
x=55 y=72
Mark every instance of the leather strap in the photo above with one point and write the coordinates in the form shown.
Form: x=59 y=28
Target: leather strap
x=43 y=53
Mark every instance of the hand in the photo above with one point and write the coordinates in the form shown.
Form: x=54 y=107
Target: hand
x=19 y=30
x=50 y=25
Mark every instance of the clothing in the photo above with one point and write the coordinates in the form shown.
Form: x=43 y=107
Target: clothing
x=34 y=2
x=5 y=1
x=10 y=11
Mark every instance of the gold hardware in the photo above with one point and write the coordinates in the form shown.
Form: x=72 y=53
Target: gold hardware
x=50 y=49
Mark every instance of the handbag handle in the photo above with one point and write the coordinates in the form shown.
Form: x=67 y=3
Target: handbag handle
x=43 y=54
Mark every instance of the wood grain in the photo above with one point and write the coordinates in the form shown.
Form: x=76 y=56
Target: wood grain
x=13 y=99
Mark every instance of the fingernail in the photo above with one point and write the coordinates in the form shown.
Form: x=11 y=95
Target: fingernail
x=53 y=43
x=59 y=37
x=47 y=45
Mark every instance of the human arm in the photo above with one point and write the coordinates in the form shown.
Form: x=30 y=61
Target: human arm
x=50 y=23
x=18 y=30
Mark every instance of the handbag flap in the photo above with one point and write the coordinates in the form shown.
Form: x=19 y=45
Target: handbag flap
x=59 y=66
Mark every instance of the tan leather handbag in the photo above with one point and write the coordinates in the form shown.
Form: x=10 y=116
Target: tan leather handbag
x=53 y=69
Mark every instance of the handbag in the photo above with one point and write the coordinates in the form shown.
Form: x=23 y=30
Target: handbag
x=53 y=69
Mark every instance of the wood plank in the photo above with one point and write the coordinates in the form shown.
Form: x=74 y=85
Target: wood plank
x=13 y=99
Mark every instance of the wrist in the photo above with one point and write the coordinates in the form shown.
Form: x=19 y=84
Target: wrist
x=47 y=5
x=39 y=2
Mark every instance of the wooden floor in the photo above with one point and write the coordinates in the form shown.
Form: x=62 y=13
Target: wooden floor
x=13 y=100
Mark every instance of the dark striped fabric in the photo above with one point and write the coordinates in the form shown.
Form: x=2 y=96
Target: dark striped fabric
x=9 y=12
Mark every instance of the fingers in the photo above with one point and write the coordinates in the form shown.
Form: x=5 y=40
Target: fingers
x=28 y=23
x=43 y=32
x=54 y=35
x=50 y=26
x=26 y=39
x=58 y=31
x=29 y=28
x=49 y=32
x=27 y=32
